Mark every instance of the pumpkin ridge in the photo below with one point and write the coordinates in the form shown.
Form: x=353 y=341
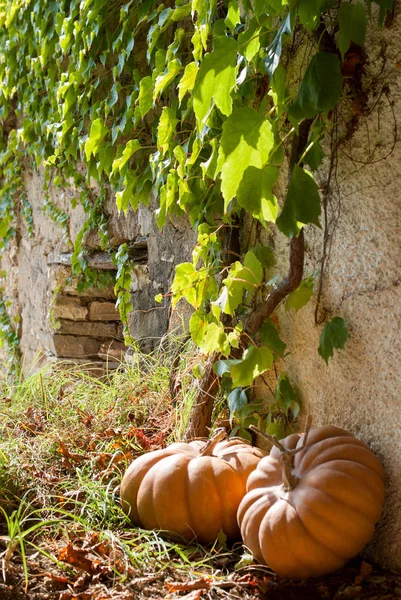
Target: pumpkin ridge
x=365 y=481
x=316 y=541
x=338 y=498
x=318 y=452
x=323 y=518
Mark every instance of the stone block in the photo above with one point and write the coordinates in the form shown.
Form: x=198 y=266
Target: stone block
x=113 y=350
x=70 y=346
x=103 y=311
x=89 y=329
x=70 y=308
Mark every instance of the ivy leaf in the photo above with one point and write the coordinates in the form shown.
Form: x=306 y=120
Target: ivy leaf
x=270 y=336
x=124 y=198
x=302 y=204
x=265 y=255
x=301 y=296
x=97 y=133
x=284 y=392
x=166 y=128
x=309 y=12
x=241 y=277
x=315 y=154
x=215 y=340
x=249 y=40
x=129 y=150
x=145 y=98
x=236 y=401
x=246 y=142
x=334 y=336
x=223 y=367
x=352 y=22
x=255 y=361
x=255 y=193
x=215 y=80
x=275 y=49
x=174 y=67
x=198 y=324
x=320 y=88
x=187 y=80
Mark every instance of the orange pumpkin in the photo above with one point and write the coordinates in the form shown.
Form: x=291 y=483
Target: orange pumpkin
x=192 y=489
x=308 y=511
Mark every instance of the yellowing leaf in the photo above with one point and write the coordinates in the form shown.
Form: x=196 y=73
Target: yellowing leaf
x=246 y=141
x=215 y=80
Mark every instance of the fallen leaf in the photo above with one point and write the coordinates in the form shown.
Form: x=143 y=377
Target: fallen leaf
x=197 y=584
x=77 y=558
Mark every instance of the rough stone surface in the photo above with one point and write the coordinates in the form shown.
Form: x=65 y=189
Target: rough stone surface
x=67 y=307
x=72 y=346
x=113 y=350
x=87 y=328
x=167 y=248
x=360 y=388
x=103 y=311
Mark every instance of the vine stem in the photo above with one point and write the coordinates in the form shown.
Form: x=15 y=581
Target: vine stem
x=290 y=481
x=218 y=436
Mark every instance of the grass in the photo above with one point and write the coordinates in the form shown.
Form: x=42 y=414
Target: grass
x=66 y=438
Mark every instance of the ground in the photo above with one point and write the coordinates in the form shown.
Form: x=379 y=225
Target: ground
x=66 y=438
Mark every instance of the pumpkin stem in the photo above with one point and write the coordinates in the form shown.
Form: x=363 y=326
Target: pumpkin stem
x=218 y=436
x=287 y=456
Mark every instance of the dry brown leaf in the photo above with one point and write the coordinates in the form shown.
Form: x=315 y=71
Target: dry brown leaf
x=197 y=584
x=77 y=558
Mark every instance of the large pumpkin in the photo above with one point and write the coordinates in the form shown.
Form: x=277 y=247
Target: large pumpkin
x=307 y=512
x=192 y=489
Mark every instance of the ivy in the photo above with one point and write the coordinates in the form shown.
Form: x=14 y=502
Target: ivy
x=190 y=103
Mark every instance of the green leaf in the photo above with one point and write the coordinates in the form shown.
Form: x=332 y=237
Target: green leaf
x=129 y=150
x=255 y=193
x=215 y=80
x=233 y=15
x=215 y=340
x=302 y=204
x=236 y=401
x=246 y=277
x=249 y=41
x=270 y=336
x=174 y=67
x=352 y=22
x=187 y=81
x=284 y=392
x=97 y=133
x=315 y=154
x=255 y=361
x=301 y=296
x=275 y=49
x=223 y=367
x=198 y=324
x=320 y=87
x=265 y=255
x=309 y=12
x=145 y=98
x=334 y=336
x=246 y=141
x=166 y=128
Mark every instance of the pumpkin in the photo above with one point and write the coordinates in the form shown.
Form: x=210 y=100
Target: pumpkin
x=192 y=489
x=310 y=507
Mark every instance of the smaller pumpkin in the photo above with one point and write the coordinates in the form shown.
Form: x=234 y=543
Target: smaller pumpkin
x=192 y=489
x=313 y=503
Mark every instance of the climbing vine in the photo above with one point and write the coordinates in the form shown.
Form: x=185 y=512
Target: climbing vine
x=195 y=106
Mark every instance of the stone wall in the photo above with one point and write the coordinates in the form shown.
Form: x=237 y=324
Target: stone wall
x=56 y=322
